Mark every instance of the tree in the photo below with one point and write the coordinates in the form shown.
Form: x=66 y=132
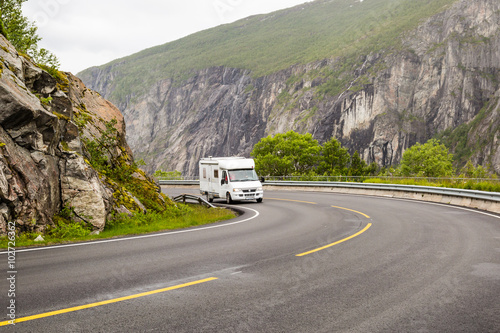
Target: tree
x=469 y=171
x=267 y=159
x=334 y=159
x=23 y=34
x=170 y=175
x=372 y=169
x=286 y=154
x=431 y=159
x=358 y=166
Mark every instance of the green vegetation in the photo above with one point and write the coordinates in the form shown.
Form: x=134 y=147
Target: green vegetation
x=175 y=217
x=268 y=43
x=183 y=216
x=45 y=100
x=458 y=139
x=295 y=156
x=335 y=159
x=23 y=34
x=81 y=117
x=118 y=171
x=431 y=159
x=286 y=154
x=168 y=175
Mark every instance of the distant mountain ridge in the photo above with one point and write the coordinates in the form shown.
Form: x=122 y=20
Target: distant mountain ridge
x=379 y=75
x=265 y=44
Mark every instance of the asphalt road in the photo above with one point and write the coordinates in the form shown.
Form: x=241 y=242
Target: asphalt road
x=381 y=265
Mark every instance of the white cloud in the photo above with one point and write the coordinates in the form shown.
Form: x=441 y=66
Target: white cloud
x=91 y=32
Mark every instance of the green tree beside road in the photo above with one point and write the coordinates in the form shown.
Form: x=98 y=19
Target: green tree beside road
x=335 y=159
x=293 y=154
x=286 y=154
x=23 y=34
x=358 y=166
x=431 y=159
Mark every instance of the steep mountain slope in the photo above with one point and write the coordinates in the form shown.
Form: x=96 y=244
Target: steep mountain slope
x=265 y=44
x=379 y=75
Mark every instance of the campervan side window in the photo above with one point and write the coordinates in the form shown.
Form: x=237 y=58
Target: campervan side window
x=216 y=173
x=204 y=173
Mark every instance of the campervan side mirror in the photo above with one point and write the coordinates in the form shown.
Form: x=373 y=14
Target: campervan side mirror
x=262 y=179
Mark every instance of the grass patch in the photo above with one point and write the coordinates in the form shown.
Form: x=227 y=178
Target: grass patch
x=180 y=217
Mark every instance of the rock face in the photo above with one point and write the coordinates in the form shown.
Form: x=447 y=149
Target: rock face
x=442 y=76
x=43 y=121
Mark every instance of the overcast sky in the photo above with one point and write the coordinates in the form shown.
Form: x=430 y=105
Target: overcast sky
x=85 y=33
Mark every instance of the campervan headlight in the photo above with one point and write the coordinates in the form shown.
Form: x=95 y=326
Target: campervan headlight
x=236 y=189
x=259 y=189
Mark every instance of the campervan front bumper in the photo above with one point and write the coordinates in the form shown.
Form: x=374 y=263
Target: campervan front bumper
x=247 y=194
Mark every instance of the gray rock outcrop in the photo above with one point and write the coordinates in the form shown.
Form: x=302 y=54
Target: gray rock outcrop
x=43 y=169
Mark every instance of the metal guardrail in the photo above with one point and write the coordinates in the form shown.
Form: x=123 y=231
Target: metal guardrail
x=480 y=195
x=189 y=197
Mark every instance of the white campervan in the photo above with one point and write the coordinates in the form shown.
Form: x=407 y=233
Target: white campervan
x=231 y=178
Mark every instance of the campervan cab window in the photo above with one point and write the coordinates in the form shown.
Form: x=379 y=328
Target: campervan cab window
x=245 y=175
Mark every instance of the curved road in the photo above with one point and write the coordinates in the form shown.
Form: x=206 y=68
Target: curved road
x=298 y=262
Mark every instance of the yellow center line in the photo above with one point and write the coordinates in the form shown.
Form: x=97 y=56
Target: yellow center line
x=355 y=211
x=336 y=243
x=93 y=305
x=307 y=202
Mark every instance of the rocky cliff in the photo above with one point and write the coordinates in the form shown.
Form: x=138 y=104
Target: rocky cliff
x=444 y=74
x=44 y=124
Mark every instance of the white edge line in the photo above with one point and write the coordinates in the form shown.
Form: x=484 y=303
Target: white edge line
x=233 y=223
x=139 y=237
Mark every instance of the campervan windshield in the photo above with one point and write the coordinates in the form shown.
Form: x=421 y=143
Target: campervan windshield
x=245 y=175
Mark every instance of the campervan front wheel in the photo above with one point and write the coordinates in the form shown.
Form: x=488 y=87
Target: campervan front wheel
x=229 y=200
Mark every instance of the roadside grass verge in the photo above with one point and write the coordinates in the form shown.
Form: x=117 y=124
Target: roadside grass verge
x=184 y=216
